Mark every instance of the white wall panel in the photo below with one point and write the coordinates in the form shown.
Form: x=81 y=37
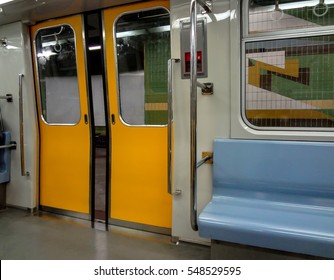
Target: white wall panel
x=15 y=59
x=213 y=112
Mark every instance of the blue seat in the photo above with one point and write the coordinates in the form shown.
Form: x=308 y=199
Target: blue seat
x=272 y=194
x=5 y=158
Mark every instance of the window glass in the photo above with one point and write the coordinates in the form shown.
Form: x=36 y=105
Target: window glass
x=57 y=73
x=289 y=81
x=274 y=15
x=143 y=50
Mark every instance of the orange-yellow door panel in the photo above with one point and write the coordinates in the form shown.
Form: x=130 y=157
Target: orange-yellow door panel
x=139 y=153
x=64 y=178
x=65 y=149
x=139 y=176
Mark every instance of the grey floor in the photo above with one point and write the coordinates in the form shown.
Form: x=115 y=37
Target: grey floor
x=25 y=236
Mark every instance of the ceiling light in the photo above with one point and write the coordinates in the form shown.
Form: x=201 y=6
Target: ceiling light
x=94 y=48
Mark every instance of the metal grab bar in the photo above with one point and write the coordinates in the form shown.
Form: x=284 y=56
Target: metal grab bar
x=193 y=108
x=169 y=122
x=205 y=6
x=193 y=114
x=8 y=97
x=200 y=85
x=23 y=168
x=9 y=146
x=203 y=160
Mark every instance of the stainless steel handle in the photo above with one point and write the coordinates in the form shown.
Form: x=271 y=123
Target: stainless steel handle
x=8 y=97
x=206 y=5
x=193 y=115
x=203 y=160
x=9 y=146
x=193 y=109
x=23 y=168
x=169 y=123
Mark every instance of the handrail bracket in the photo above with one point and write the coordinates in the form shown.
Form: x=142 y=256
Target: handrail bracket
x=207 y=88
x=8 y=97
x=207 y=157
x=206 y=5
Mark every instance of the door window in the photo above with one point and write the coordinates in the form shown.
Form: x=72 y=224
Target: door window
x=143 y=49
x=58 y=78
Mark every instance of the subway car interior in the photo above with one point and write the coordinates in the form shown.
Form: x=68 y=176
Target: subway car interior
x=167 y=129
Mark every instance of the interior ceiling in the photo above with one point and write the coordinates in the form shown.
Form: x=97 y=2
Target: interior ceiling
x=32 y=11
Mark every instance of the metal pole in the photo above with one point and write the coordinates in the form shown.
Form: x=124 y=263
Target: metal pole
x=169 y=122
x=193 y=115
x=23 y=168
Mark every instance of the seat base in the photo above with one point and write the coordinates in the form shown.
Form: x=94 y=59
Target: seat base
x=221 y=250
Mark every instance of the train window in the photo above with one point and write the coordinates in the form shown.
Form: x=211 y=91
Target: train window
x=289 y=79
x=143 y=50
x=57 y=74
x=275 y=15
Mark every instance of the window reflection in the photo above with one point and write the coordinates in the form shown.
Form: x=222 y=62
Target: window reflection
x=143 y=50
x=276 y=15
x=289 y=80
x=57 y=73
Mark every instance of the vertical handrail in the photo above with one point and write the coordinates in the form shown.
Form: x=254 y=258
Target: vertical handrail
x=1 y=122
x=193 y=108
x=169 y=123
x=193 y=114
x=23 y=168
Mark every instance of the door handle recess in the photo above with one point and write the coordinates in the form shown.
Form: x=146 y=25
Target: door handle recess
x=86 y=118
x=113 y=121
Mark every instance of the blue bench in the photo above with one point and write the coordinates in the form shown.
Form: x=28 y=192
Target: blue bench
x=5 y=158
x=272 y=194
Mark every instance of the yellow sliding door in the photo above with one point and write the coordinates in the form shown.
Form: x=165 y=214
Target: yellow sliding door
x=63 y=115
x=137 y=50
